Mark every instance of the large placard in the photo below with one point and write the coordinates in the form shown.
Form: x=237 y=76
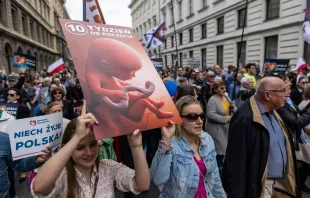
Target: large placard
x=119 y=81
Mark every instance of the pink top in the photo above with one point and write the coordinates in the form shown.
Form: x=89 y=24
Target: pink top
x=201 y=191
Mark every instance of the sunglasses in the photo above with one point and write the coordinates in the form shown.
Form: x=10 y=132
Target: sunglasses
x=11 y=95
x=212 y=76
x=11 y=80
x=192 y=117
x=58 y=93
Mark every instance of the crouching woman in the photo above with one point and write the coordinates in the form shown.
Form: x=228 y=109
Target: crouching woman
x=185 y=162
x=75 y=171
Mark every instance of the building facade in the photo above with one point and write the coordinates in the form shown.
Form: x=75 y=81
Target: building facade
x=32 y=27
x=210 y=30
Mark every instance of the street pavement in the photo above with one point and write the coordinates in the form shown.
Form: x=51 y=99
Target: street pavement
x=22 y=191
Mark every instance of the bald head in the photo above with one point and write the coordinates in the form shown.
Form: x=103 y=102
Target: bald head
x=271 y=93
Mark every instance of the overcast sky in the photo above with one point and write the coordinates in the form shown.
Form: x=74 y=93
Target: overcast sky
x=116 y=12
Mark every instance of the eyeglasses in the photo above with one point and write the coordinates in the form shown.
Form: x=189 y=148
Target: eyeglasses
x=277 y=91
x=11 y=95
x=192 y=117
x=304 y=83
x=58 y=93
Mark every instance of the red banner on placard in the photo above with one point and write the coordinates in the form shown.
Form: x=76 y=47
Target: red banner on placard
x=119 y=81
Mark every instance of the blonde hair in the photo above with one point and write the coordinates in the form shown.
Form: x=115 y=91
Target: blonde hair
x=180 y=104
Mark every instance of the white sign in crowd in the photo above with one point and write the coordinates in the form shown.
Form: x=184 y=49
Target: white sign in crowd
x=28 y=137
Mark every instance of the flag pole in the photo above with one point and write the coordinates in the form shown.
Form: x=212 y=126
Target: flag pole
x=240 y=47
x=176 y=44
x=84 y=10
x=100 y=12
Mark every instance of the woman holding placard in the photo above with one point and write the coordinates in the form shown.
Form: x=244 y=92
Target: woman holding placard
x=75 y=171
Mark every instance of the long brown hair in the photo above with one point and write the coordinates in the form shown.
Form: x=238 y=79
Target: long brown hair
x=74 y=190
x=180 y=104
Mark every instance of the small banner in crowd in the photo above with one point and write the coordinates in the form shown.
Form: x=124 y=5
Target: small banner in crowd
x=119 y=81
x=192 y=62
x=275 y=66
x=158 y=63
x=10 y=108
x=31 y=135
x=23 y=61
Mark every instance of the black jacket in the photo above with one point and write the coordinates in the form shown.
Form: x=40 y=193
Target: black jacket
x=296 y=96
x=205 y=95
x=22 y=111
x=293 y=122
x=247 y=152
x=68 y=110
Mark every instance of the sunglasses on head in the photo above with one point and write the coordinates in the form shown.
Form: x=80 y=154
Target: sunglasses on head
x=58 y=93
x=11 y=95
x=192 y=117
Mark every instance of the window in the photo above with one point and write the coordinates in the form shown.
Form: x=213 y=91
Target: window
x=242 y=19
x=48 y=14
x=31 y=29
x=204 y=58
x=172 y=60
x=180 y=10
x=149 y=3
x=191 y=54
x=204 y=3
x=24 y=23
x=181 y=38
x=204 y=30
x=219 y=57
x=2 y=10
x=14 y=17
x=39 y=33
x=154 y=20
x=172 y=41
x=190 y=6
x=51 y=41
x=220 y=25
x=166 y=61
x=181 y=59
x=165 y=43
x=164 y=16
x=271 y=47
x=242 y=52
x=172 y=17
x=273 y=9
x=191 y=35
x=43 y=37
x=39 y=8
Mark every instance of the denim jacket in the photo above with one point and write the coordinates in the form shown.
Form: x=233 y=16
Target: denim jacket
x=176 y=169
x=6 y=161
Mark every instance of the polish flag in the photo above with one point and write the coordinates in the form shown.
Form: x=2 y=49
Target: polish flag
x=300 y=65
x=56 y=67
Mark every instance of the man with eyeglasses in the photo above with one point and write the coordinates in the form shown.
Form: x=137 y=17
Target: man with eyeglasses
x=260 y=158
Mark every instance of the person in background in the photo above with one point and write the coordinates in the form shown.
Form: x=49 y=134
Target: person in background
x=3 y=91
x=219 y=111
x=49 y=97
x=247 y=89
x=72 y=94
x=2 y=76
x=233 y=89
x=185 y=160
x=186 y=90
x=76 y=165
x=29 y=94
x=229 y=75
x=251 y=71
x=298 y=90
x=44 y=91
x=206 y=89
x=199 y=81
x=303 y=156
x=218 y=73
x=57 y=82
x=260 y=156
x=58 y=95
x=79 y=90
x=305 y=71
x=192 y=77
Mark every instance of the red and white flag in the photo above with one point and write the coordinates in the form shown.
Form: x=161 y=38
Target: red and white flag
x=56 y=67
x=93 y=12
x=300 y=65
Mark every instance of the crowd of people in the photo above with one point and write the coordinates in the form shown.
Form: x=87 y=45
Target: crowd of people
x=243 y=135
